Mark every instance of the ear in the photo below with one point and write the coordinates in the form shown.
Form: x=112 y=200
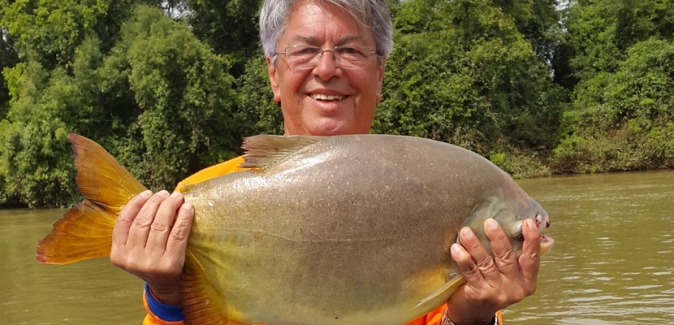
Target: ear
x=380 y=78
x=273 y=79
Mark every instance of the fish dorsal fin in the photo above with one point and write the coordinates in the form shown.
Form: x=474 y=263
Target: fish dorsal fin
x=185 y=188
x=200 y=302
x=264 y=151
x=442 y=294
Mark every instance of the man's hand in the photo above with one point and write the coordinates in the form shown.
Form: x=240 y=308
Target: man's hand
x=493 y=283
x=149 y=241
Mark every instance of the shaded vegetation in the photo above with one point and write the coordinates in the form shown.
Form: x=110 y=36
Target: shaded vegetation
x=170 y=87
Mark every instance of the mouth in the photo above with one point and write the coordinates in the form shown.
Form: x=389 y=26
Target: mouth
x=546 y=244
x=541 y=222
x=323 y=97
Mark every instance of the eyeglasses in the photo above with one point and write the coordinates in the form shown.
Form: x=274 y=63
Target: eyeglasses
x=303 y=57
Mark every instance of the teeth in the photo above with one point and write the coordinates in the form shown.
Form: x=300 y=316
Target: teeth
x=326 y=97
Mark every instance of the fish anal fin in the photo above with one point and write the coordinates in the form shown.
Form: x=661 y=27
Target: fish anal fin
x=441 y=295
x=263 y=151
x=84 y=232
x=200 y=303
x=100 y=177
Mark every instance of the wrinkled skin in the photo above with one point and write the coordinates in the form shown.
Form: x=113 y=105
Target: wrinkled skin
x=150 y=236
x=327 y=27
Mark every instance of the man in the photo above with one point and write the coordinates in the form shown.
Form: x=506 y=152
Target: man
x=326 y=62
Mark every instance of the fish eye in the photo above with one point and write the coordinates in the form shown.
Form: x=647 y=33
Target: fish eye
x=518 y=235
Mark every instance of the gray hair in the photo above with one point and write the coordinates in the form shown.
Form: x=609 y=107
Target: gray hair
x=373 y=14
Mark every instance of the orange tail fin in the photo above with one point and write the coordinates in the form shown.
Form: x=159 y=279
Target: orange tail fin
x=85 y=231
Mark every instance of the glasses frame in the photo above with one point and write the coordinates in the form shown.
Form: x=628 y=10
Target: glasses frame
x=321 y=50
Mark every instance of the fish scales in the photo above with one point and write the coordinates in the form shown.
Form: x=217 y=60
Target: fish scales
x=339 y=229
x=351 y=229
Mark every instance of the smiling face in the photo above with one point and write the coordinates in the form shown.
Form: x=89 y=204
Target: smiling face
x=325 y=100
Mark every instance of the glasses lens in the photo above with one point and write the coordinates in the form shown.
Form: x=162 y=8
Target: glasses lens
x=301 y=57
x=351 y=57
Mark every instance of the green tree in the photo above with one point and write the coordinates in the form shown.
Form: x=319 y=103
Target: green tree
x=8 y=58
x=639 y=20
x=462 y=72
x=183 y=95
x=229 y=27
x=623 y=120
x=33 y=139
x=159 y=100
x=601 y=32
x=620 y=112
x=170 y=87
x=257 y=112
x=49 y=31
x=591 y=29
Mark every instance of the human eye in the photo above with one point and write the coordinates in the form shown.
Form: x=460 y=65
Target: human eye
x=303 y=51
x=349 y=50
x=352 y=52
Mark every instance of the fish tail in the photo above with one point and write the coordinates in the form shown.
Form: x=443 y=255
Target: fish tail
x=85 y=231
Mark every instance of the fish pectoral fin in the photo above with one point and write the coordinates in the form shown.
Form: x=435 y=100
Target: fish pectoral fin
x=263 y=151
x=200 y=302
x=443 y=293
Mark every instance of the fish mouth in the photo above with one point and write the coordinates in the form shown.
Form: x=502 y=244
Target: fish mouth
x=542 y=221
x=546 y=244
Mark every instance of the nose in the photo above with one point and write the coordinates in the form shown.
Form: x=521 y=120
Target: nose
x=332 y=53
x=327 y=65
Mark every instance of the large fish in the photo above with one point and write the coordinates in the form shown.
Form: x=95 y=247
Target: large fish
x=349 y=229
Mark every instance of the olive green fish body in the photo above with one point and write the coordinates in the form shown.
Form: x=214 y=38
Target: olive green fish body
x=347 y=230
x=327 y=230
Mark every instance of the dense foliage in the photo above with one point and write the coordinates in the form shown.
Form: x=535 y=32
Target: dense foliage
x=622 y=110
x=170 y=87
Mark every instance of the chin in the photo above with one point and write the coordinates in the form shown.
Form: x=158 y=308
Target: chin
x=331 y=128
x=323 y=132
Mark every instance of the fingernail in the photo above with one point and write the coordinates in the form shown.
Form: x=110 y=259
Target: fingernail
x=491 y=224
x=146 y=194
x=529 y=223
x=187 y=206
x=456 y=249
x=163 y=193
x=176 y=194
x=466 y=233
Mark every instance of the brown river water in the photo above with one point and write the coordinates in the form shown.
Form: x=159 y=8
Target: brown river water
x=613 y=261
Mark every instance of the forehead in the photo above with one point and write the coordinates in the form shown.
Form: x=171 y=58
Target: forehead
x=317 y=22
